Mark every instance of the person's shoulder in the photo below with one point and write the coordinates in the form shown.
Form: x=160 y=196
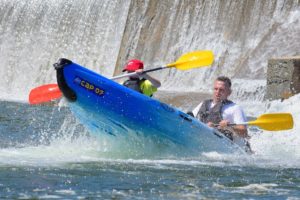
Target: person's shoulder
x=146 y=83
x=234 y=106
x=229 y=104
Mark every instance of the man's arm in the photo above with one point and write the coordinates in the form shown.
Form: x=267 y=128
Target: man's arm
x=241 y=130
x=156 y=83
x=239 y=117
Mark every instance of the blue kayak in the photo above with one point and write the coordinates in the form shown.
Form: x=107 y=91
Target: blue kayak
x=106 y=107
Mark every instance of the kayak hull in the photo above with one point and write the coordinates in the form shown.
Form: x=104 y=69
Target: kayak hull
x=106 y=107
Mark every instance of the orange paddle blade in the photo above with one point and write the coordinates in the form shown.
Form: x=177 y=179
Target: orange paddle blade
x=44 y=93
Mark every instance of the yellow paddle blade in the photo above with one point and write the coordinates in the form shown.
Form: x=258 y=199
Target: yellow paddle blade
x=274 y=121
x=193 y=60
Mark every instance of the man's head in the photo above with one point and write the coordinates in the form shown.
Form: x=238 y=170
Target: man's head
x=222 y=89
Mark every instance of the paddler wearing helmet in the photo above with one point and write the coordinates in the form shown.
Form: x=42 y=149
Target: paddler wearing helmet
x=140 y=81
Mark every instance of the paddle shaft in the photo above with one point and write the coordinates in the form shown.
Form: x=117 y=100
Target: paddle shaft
x=216 y=125
x=245 y=123
x=134 y=73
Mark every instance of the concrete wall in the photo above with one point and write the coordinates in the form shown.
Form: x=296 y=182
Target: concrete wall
x=283 y=78
x=242 y=34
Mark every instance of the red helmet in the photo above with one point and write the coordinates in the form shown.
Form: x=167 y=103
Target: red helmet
x=133 y=65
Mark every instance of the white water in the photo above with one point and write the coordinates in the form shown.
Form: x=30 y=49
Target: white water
x=33 y=35
x=278 y=149
x=103 y=35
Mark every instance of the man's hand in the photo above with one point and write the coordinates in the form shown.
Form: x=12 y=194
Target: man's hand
x=210 y=124
x=223 y=124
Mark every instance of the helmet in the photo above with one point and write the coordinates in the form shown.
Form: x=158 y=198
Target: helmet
x=133 y=65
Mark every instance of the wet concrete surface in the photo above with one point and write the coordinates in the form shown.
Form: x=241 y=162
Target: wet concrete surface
x=186 y=101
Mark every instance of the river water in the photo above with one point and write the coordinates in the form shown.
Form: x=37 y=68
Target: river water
x=45 y=153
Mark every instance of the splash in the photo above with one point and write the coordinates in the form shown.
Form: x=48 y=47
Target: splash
x=280 y=147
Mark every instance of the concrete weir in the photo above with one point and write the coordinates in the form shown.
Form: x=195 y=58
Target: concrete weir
x=283 y=78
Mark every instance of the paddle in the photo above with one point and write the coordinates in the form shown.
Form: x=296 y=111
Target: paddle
x=187 y=61
x=272 y=122
x=44 y=93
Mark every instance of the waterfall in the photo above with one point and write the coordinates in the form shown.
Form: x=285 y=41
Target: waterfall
x=35 y=34
x=103 y=35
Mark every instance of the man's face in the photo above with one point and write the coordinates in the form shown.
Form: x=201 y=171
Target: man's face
x=221 y=91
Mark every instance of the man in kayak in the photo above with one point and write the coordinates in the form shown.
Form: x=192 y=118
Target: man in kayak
x=220 y=112
x=140 y=81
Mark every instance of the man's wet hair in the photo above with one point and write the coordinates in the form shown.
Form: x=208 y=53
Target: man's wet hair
x=225 y=79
